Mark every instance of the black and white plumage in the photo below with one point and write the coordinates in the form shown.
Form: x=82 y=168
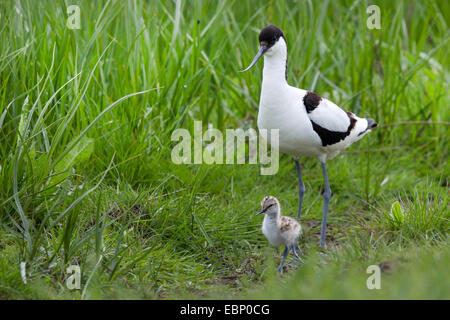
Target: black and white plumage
x=309 y=125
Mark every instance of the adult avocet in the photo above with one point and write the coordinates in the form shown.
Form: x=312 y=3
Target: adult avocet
x=308 y=124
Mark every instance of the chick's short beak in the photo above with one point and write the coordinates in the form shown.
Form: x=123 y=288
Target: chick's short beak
x=262 y=49
x=262 y=211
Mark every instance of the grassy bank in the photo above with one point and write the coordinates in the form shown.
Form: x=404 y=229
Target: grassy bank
x=86 y=118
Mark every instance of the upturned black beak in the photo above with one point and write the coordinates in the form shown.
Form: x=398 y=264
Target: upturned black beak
x=262 y=50
x=262 y=211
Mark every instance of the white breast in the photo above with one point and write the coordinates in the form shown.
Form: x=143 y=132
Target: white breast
x=271 y=230
x=281 y=108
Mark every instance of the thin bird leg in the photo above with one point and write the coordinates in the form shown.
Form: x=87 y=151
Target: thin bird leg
x=301 y=188
x=295 y=254
x=297 y=248
x=285 y=253
x=326 y=197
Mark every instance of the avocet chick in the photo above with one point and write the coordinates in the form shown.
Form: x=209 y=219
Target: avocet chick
x=280 y=230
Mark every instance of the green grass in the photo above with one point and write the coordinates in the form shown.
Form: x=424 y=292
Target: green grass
x=86 y=178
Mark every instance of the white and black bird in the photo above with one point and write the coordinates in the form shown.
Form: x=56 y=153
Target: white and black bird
x=308 y=124
x=280 y=230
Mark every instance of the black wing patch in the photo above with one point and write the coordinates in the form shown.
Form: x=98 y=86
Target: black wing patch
x=330 y=137
x=311 y=101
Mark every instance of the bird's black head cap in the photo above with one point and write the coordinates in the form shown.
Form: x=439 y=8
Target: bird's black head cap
x=267 y=38
x=270 y=35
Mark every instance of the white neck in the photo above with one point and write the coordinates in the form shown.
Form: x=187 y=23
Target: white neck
x=274 y=215
x=274 y=72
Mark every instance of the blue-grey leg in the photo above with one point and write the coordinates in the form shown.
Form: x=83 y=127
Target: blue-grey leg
x=294 y=252
x=297 y=248
x=285 y=253
x=326 y=197
x=301 y=188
